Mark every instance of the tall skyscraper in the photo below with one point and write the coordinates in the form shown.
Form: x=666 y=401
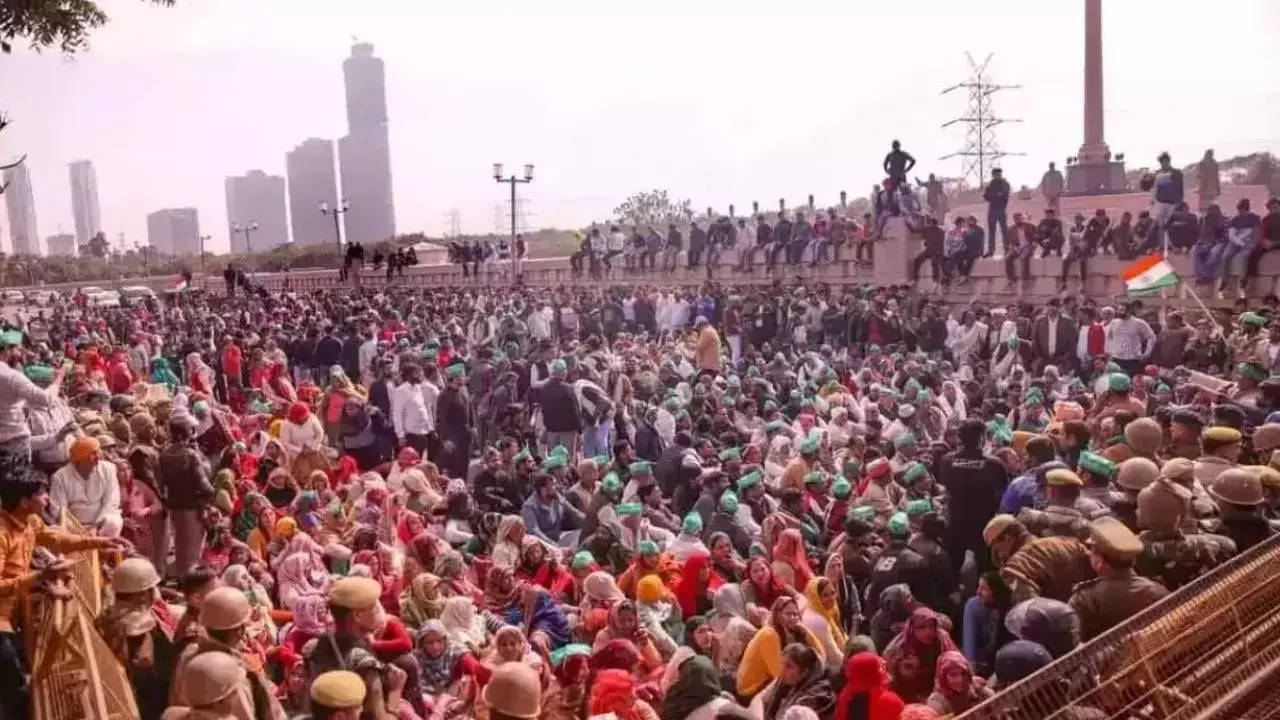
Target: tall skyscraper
x=257 y=197
x=23 y=239
x=174 y=231
x=84 y=200
x=365 y=153
x=312 y=179
x=61 y=245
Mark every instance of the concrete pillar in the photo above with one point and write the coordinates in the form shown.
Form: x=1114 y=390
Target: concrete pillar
x=895 y=252
x=1094 y=149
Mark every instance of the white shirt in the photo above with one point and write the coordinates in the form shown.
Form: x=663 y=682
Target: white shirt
x=1053 y=335
x=16 y=393
x=413 y=408
x=307 y=436
x=95 y=500
x=539 y=323
x=617 y=241
x=368 y=351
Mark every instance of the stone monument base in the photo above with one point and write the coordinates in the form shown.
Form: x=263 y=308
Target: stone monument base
x=1096 y=178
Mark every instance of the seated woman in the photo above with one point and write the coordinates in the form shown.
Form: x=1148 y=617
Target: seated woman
x=455 y=578
x=724 y=559
x=866 y=692
x=803 y=683
x=983 y=632
x=446 y=671
x=658 y=616
x=789 y=562
x=896 y=603
x=421 y=601
x=696 y=584
x=614 y=691
x=464 y=625
x=728 y=621
x=762 y=589
x=538 y=565
x=762 y=660
x=955 y=689
x=648 y=561
x=624 y=624
x=511 y=645
x=822 y=617
x=913 y=655
x=380 y=570
x=507 y=543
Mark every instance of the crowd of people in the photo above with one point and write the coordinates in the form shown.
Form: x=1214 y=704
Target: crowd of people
x=785 y=501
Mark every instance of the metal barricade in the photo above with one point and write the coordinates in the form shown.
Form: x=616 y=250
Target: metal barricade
x=1195 y=655
x=74 y=675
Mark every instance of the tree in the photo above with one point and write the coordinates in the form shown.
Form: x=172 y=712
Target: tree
x=64 y=24
x=97 y=246
x=4 y=122
x=653 y=208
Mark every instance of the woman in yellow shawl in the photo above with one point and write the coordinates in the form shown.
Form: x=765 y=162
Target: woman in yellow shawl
x=822 y=617
x=762 y=660
x=421 y=601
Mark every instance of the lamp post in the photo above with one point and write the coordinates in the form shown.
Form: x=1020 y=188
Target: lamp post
x=203 y=238
x=248 y=231
x=337 y=212
x=142 y=249
x=513 y=180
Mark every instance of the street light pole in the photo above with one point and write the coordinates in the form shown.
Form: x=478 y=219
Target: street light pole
x=203 y=238
x=248 y=234
x=513 y=180
x=342 y=208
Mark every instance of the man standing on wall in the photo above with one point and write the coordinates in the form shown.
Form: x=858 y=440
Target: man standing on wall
x=997 y=197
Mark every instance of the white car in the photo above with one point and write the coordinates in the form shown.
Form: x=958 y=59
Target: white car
x=43 y=297
x=14 y=297
x=137 y=293
x=105 y=299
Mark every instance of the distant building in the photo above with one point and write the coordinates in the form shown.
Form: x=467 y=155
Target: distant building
x=312 y=179
x=257 y=197
x=84 y=200
x=23 y=238
x=61 y=245
x=364 y=154
x=174 y=231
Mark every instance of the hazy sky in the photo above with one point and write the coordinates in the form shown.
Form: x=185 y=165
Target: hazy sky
x=721 y=102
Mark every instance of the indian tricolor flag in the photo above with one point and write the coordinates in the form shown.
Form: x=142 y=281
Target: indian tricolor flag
x=1148 y=275
x=180 y=284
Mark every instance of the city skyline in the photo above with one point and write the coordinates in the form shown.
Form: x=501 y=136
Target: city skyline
x=256 y=201
x=311 y=174
x=599 y=130
x=24 y=238
x=174 y=231
x=86 y=212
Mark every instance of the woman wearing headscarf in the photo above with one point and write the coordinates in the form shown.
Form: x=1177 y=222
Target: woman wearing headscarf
x=658 y=616
x=566 y=697
x=441 y=664
x=298 y=575
x=762 y=660
x=421 y=601
x=648 y=560
x=260 y=627
x=539 y=566
x=728 y=618
x=866 y=694
x=365 y=434
x=803 y=683
x=464 y=625
x=789 y=562
x=822 y=617
x=624 y=624
x=385 y=575
x=504 y=595
x=923 y=640
x=334 y=401
x=454 y=578
x=695 y=693
x=162 y=375
x=696 y=584
x=614 y=691
x=302 y=436
x=724 y=559
x=896 y=604
x=762 y=589
x=545 y=623
x=955 y=689
x=507 y=542
x=279 y=486
x=199 y=375
x=311 y=619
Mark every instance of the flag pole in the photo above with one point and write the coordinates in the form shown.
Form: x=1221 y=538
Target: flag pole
x=1200 y=302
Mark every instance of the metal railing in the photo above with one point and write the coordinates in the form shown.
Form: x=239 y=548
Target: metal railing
x=74 y=674
x=1201 y=651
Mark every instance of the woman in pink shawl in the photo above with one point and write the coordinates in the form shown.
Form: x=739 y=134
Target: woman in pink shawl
x=310 y=620
x=279 y=383
x=199 y=375
x=300 y=575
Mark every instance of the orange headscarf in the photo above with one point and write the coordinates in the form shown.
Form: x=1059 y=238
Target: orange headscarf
x=790 y=549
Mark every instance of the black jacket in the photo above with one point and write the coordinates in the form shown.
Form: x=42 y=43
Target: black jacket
x=560 y=411
x=975 y=483
x=184 y=474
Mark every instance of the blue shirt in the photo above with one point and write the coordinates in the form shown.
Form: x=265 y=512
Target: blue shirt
x=547 y=521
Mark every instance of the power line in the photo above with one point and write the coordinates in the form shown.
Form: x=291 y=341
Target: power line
x=981 y=149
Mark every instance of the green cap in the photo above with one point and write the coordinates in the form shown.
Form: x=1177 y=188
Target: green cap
x=558 y=366
x=640 y=467
x=1252 y=318
x=647 y=547
x=554 y=461
x=898 y=525
x=10 y=338
x=810 y=444
x=1033 y=395
x=601 y=460
x=1252 y=371
x=672 y=403
x=729 y=501
x=814 y=478
x=1002 y=436
x=692 y=523
x=559 y=655
x=38 y=373
x=841 y=488
x=456 y=370
x=730 y=454
x=1095 y=464
x=919 y=507
x=865 y=513
x=750 y=479
x=916 y=471
x=628 y=509
x=1118 y=382
x=560 y=451
x=774 y=426
x=904 y=439
x=582 y=560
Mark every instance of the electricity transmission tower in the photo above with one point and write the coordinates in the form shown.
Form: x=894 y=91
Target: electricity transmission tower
x=454 y=219
x=981 y=149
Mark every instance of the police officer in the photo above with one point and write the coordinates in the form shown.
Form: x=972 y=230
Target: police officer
x=1118 y=592
x=224 y=614
x=1032 y=566
x=337 y=695
x=1168 y=554
x=141 y=641
x=1238 y=492
x=1222 y=446
x=356 y=612
x=213 y=679
x=1066 y=513
x=1132 y=476
x=898 y=563
x=1182 y=471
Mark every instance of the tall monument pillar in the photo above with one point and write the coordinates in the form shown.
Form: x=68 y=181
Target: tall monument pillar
x=1094 y=171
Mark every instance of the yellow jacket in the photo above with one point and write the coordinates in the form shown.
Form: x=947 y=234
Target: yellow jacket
x=762 y=660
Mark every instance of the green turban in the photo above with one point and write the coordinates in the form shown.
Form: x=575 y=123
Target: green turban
x=692 y=523
x=898 y=525
x=730 y=454
x=1118 y=382
x=810 y=444
x=611 y=484
x=554 y=461
x=814 y=478
x=558 y=656
x=866 y=513
x=915 y=472
x=456 y=370
x=841 y=488
x=1096 y=465
x=916 y=508
x=904 y=439
x=582 y=560
x=628 y=509
x=750 y=480
x=729 y=502
x=647 y=547
x=640 y=467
